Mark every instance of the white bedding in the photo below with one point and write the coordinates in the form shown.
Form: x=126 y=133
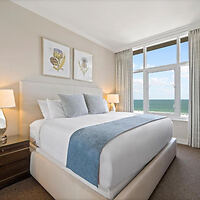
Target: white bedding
x=121 y=159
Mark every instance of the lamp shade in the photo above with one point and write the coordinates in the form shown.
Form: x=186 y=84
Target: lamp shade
x=113 y=98
x=7 y=99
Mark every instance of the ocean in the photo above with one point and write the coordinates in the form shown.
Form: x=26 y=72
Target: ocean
x=162 y=105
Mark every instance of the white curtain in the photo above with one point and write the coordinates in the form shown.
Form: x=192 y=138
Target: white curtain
x=194 y=73
x=124 y=80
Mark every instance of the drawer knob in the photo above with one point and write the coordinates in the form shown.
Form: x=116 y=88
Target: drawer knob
x=2 y=150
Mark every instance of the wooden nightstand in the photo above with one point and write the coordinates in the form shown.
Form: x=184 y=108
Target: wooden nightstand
x=14 y=160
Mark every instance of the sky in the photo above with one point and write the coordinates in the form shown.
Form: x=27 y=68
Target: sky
x=161 y=84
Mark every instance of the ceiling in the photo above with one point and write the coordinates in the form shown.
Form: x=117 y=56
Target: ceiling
x=116 y=24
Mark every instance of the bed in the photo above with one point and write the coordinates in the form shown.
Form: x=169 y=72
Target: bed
x=121 y=177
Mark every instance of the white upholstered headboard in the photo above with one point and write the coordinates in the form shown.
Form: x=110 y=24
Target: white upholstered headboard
x=31 y=91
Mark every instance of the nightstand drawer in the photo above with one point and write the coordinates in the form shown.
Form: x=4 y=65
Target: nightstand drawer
x=15 y=168
x=13 y=147
x=14 y=156
x=14 y=160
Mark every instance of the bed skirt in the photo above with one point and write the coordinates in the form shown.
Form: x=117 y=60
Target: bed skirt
x=63 y=185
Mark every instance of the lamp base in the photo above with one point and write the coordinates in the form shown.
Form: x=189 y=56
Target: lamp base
x=112 y=107
x=3 y=127
x=3 y=138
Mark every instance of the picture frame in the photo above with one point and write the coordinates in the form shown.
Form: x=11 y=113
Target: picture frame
x=56 y=59
x=83 y=66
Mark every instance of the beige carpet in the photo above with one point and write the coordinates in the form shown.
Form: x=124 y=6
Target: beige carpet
x=181 y=182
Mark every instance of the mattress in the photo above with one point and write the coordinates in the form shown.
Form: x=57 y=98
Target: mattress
x=121 y=159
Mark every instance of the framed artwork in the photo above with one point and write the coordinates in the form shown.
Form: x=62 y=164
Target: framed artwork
x=82 y=66
x=56 y=59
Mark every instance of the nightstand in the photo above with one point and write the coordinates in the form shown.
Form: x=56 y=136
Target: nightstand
x=14 y=160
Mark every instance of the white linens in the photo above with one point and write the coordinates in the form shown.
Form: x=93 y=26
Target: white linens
x=35 y=130
x=121 y=159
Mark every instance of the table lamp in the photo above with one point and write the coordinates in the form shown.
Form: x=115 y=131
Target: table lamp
x=112 y=99
x=7 y=100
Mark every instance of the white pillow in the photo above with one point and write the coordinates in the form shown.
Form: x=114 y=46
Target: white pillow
x=106 y=105
x=44 y=108
x=55 y=109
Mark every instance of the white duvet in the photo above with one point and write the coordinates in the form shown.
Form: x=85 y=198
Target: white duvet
x=121 y=159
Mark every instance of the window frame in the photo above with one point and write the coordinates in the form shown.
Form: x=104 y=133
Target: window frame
x=177 y=77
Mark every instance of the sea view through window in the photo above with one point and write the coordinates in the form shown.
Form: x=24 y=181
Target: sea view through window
x=161 y=77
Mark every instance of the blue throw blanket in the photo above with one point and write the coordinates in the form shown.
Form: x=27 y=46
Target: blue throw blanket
x=86 y=144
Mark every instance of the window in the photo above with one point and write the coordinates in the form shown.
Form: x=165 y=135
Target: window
x=161 y=91
x=184 y=89
x=138 y=91
x=138 y=59
x=161 y=78
x=166 y=53
x=184 y=51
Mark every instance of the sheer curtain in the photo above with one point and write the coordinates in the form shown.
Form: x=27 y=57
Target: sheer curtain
x=124 y=80
x=194 y=73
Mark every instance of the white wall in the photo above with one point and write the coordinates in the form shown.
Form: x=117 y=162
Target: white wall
x=21 y=54
x=180 y=131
